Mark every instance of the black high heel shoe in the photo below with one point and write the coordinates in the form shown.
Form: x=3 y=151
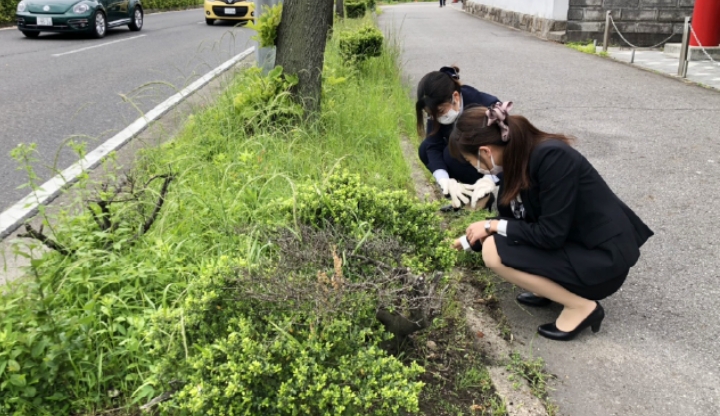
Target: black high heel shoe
x=594 y=320
x=527 y=298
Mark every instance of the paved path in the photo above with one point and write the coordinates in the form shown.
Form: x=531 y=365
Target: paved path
x=57 y=85
x=655 y=140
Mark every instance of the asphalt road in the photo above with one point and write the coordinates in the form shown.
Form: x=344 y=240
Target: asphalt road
x=58 y=87
x=656 y=142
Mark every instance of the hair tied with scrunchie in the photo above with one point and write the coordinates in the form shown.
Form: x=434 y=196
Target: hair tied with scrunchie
x=450 y=71
x=496 y=114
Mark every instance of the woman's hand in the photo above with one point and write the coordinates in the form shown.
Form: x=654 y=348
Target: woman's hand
x=457 y=245
x=475 y=232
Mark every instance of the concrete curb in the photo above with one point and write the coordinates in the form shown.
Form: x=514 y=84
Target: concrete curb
x=515 y=393
x=14 y=216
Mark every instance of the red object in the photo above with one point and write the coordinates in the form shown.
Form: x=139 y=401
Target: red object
x=706 y=23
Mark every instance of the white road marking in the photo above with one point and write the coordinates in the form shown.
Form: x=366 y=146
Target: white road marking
x=13 y=217
x=96 y=46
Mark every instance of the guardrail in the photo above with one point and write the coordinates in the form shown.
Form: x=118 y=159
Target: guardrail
x=606 y=38
x=688 y=31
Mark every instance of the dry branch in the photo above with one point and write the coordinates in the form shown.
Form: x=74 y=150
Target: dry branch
x=309 y=271
x=47 y=241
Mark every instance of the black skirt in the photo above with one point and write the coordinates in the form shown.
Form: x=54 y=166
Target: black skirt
x=606 y=260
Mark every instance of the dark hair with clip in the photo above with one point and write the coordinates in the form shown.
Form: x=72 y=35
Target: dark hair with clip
x=473 y=128
x=435 y=89
x=453 y=71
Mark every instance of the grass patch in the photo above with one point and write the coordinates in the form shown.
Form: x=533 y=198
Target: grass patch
x=244 y=285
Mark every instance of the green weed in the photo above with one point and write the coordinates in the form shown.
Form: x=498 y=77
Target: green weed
x=267 y=25
x=533 y=371
x=589 y=47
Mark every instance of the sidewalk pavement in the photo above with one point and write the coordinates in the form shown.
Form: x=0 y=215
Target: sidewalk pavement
x=706 y=73
x=655 y=141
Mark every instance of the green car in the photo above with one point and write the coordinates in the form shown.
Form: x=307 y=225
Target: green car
x=87 y=16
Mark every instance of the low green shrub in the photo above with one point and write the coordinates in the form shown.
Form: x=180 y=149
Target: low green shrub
x=170 y=4
x=255 y=371
x=7 y=11
x=355 y=9
x=239 y=356
x=343 y=201
x=359 y=45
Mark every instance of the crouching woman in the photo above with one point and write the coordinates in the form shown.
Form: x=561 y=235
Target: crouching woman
x=562 y=235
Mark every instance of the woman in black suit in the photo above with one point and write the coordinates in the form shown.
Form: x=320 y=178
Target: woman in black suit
x=441 y=96
x=562 y=234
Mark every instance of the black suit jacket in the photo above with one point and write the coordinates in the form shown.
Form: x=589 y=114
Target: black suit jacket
x=570 y=207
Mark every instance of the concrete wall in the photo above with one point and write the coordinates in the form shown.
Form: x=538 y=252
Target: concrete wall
x=546 y=9
x=536 y=16
x=642 y=22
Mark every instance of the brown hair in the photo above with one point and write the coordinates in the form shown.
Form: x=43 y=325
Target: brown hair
x=472 y=131
x=435 y=89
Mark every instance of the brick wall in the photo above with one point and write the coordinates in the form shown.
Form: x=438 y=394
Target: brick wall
x=642 y=22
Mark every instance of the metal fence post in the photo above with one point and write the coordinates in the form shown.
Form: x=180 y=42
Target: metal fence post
x=683 y=64
x=606 y=37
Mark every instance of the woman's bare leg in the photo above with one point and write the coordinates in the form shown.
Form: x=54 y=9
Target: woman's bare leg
x=576 y=308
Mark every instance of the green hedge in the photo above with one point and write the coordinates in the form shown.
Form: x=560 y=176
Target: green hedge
x=361 y=44
x=170 y=4
x=7 y=10
x=355 y=9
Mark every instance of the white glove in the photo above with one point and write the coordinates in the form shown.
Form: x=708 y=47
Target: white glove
x=458 y=192
x=480 y=189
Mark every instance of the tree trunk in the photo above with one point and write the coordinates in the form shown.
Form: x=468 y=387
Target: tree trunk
x=301 y=40
x=340 y=8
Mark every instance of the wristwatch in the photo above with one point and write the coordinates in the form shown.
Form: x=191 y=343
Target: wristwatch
x=487 y=227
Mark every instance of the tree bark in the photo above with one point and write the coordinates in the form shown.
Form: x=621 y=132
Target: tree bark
x=302 y=36
x=340 y=8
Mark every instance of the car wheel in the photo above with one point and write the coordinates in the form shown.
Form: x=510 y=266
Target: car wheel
x=30 y=34
x=137 y=20
x=209 y=22
x=100 y=25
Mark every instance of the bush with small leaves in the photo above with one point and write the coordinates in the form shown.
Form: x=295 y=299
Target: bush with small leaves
x=344 y=201
x=236 y=355
x=355 y=9
x=362 y=44
x=291 y=367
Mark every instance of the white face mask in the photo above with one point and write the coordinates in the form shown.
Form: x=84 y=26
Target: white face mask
x=495 y=170
x=449 y=117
